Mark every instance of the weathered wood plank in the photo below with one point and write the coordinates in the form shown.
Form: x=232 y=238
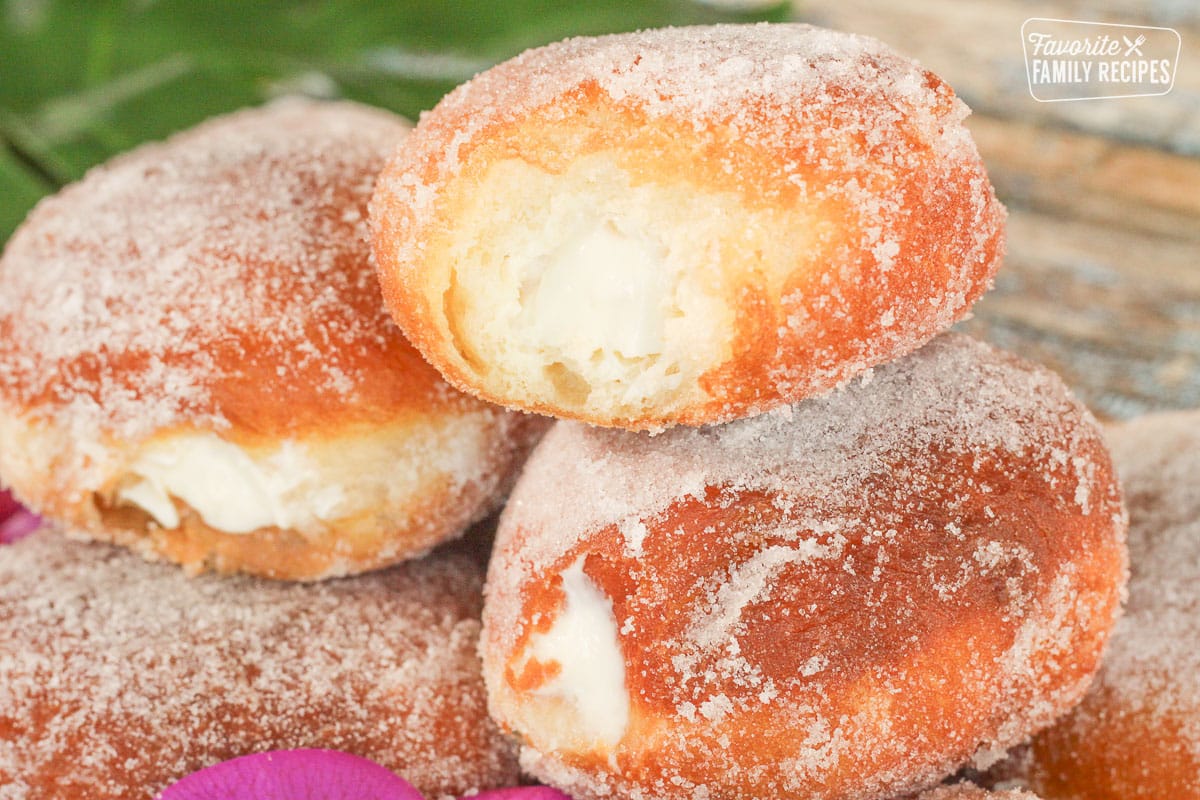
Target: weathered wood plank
x=1115 y=312
x=1085 y=176
x=976 y=47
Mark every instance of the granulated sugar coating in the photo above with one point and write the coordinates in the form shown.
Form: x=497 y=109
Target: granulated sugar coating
x=186 y=271
x=807 y=204
x=1137 y=733
x=118 y=677
x=847 y=598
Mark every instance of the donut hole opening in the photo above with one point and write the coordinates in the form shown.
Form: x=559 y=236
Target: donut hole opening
x=588 y=288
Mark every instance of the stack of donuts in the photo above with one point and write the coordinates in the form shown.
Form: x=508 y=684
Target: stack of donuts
x=858 y=552
x=787 y=537
x=195 y=363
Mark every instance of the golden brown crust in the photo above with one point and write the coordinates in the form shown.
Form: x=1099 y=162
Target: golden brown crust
x=893 y=226
x=120 y=677
x=845 y=604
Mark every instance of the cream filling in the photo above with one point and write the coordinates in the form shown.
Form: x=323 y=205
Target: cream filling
x=583 y=640
x=599 y=295
x=592 y=289
x=230 y=489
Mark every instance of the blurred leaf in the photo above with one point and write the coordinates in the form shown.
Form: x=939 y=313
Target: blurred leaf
x=20 y=188
x=82 y=81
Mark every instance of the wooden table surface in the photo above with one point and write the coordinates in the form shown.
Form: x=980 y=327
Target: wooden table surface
x=1102 y=278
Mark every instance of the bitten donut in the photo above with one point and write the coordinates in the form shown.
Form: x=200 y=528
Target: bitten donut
x=195 y=359
x=1137 y=733
x=844 y=599
x=685 y=225
x=120 y=676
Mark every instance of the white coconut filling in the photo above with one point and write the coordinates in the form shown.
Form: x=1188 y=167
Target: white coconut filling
x=583 y=640
x=231 y=490
x=600 y=294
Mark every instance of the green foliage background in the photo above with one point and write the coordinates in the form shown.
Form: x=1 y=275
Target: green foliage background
x=83 y=80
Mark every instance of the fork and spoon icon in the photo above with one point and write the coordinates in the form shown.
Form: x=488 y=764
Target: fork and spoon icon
x=1134 y=46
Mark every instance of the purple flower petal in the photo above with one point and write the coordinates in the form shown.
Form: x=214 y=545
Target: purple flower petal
x=15 y=520
x=293 y=774
x=19 y=524
x=8 y=505
x=521 y=793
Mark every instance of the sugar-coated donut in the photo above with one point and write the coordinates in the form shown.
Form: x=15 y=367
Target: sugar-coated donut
x=195 y=359
x=120 y=676
x=684 y=225
x=847 y=598
x=1136 y=736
